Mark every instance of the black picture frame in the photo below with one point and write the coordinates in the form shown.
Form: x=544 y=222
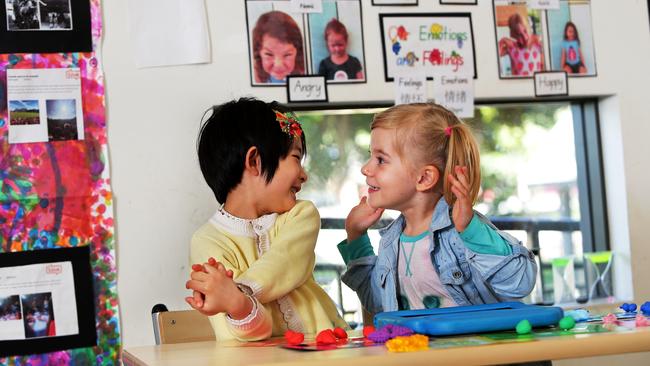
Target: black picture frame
x=383 y=16
x=566 y=82
x=412 y=3
x=84 y=296
x=313 y=76
x=456 y=2
x=77 y=39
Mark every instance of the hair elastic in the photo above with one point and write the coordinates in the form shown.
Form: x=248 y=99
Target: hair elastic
x=288 y=123
x=448 y=131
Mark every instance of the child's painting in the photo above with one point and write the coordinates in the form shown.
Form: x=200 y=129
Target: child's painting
x=336 y=40
x=276 y=42
x=440 y=43
x=571 y=38
x=519 y=34
x=57 y=195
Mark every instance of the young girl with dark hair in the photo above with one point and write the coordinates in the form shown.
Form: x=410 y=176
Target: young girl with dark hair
x=259 y=279
x=571 y=58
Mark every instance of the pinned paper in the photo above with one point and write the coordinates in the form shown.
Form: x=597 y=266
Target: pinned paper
x=455 y=92
x=169 y=32
x=543 y=4
x=411 y=86
x=306 y=6
x=44 y=105
x=551 y=83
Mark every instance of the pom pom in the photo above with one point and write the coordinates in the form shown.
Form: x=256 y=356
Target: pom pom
x=293 y=338
x=628 y=308
x=326 y=337
x=645 y=308
x=367 y=330
x=610 y=319
x=523 y=327
x=389 y=331
x=416 y=342
x=641 y=321
x=340 y=333
x=567 y=323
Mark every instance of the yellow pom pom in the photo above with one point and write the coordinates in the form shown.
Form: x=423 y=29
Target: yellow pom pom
x=416 y=342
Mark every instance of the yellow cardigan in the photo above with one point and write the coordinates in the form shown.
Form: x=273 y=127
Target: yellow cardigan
x=273 y=258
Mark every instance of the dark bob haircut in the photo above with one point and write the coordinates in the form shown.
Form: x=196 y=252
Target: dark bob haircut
x=228 y=133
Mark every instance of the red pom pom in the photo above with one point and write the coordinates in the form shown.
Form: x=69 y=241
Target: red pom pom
x=326 y=337
x=340 y=333
x=367 y=330
x=293 y=338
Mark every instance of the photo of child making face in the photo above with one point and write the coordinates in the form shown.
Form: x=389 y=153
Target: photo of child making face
x=283 y=42
x=277 y=45
x=571 y=39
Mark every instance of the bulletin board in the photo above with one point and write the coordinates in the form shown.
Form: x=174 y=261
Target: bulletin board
x=55 y=194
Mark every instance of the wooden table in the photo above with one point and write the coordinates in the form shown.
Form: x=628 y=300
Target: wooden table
x=232 y=353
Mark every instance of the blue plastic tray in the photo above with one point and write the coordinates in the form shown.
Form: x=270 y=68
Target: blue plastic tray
x=471 y=319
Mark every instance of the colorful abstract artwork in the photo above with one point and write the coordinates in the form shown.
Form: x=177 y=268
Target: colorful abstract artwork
x=57 y=194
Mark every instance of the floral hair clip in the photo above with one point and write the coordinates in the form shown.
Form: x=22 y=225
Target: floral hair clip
x=288 y=123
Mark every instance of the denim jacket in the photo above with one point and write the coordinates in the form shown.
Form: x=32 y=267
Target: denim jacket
x=469 y=277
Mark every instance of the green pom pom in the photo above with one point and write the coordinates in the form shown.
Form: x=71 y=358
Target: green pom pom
x=567 y=323
x=523 y=327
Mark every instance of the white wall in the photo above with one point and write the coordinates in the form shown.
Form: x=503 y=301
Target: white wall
x=153 y=118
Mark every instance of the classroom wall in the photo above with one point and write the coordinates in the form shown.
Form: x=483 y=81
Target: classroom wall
x=153 y=118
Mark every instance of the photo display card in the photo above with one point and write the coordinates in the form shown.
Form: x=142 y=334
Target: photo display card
x=533 y=38
x=45 y=26
x=437 y=42
x=46 y=301
x=520 y=39
x=571 y=38
x=44 y=105
x=283 y=42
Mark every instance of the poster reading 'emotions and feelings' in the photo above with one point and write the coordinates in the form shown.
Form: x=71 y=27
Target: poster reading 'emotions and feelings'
x=441 y=43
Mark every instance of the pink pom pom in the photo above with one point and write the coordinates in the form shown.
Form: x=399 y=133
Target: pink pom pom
x=641 y=321
x=610 y=319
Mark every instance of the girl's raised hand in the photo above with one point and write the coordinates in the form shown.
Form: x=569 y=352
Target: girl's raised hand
x=462 y=211
x=360 y=218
